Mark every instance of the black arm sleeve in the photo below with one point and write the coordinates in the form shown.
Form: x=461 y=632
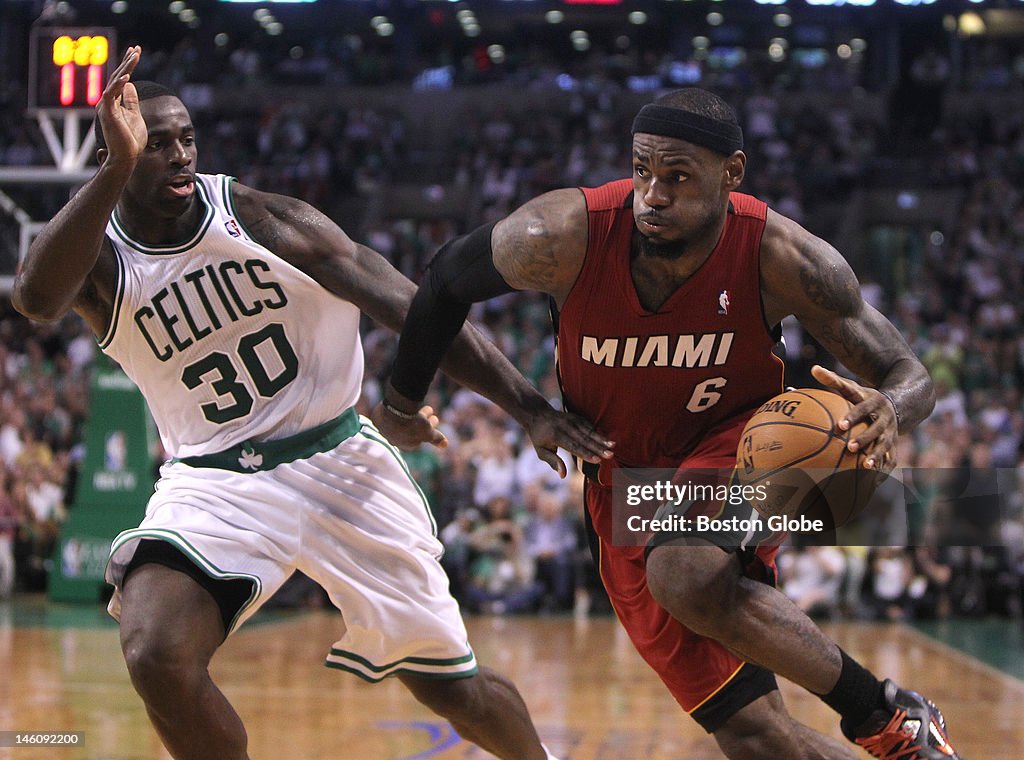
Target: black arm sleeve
x=461 y=274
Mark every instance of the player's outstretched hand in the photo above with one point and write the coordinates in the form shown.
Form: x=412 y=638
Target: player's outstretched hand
x=878 y=441
x=550 y=430
x=411 y=432
x=124 y=129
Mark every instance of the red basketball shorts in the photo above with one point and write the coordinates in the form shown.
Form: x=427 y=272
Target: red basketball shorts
x=710 y=683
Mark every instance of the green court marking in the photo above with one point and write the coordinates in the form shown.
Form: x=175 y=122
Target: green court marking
x=994 y=641
x=36 y=611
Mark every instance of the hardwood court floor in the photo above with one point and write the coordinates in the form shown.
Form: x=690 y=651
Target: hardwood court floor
x=591 y=695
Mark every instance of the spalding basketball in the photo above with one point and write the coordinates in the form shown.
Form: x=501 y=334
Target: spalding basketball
x=794 y=451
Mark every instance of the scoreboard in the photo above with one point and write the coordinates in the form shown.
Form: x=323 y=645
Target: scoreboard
x=69 y=66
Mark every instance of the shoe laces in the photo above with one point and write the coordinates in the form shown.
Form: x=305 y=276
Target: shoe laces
x=891 y=743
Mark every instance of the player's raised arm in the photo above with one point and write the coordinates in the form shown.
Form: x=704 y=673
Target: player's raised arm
x=53 y=278
x=312 y=242
x=804 y=276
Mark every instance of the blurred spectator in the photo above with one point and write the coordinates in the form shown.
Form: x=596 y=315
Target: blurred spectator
x=891 y=576
x=494 y=464
x=11 y=441
x=930 y=586
x=550 y=541
x=812 y=577
x=852 y=605
x=10 y=519
x=502 y=575
x=458 y=550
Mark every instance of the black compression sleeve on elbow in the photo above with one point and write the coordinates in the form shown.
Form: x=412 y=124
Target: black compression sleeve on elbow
x=461 y=274
x=463 y=269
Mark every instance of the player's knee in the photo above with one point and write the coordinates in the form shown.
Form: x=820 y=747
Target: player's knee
x=765 y=744
x=745 y=746
x=158 y=668
x=761 y=730
x=744 y=739
x=695 y=597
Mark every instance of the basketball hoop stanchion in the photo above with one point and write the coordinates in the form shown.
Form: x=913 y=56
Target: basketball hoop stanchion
x=70 y=157
x=71 y=153
x=68 y=71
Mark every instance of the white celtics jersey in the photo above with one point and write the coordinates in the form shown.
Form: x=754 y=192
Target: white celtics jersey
x=226 y=340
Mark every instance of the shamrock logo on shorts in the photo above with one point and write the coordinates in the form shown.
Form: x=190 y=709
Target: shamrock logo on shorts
x=250 y=460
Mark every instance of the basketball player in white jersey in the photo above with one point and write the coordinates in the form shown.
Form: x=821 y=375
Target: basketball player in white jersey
x=236 y=312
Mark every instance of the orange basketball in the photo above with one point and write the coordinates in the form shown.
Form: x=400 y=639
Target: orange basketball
x=792 y=448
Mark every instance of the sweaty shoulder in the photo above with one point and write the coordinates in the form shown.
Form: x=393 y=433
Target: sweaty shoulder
x=541 y=245
x=291 y=228
x=803 y=275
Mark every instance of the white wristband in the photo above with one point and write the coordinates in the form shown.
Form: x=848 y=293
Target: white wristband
x=398 y=412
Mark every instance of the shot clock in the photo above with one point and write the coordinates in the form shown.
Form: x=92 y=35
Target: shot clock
x=69 y=66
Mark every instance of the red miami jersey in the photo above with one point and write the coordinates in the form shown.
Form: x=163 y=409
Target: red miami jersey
x=656 y=383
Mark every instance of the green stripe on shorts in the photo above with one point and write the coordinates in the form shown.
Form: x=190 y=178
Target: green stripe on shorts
x=359 y=666
x=182 y=544
x=374 y=435
x=258 y=456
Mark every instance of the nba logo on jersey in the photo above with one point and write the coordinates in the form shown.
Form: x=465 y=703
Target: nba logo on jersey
x=232 y=226
x=723 y=302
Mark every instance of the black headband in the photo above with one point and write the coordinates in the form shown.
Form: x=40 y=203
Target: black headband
x=718 y=135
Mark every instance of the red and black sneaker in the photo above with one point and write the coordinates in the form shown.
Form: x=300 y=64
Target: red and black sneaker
x=913 y=730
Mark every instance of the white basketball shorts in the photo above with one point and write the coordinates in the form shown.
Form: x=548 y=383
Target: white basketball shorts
x=351 y=518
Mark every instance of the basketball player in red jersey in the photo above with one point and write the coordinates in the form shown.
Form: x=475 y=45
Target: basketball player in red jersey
x=668 y=288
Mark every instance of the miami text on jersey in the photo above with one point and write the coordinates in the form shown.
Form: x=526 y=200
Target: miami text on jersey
x=688 y=350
